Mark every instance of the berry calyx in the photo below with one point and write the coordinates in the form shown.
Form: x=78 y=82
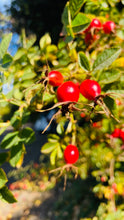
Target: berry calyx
x=108 y=27
x=89 y=38
x=55 y=78
x=71 y=154
x=68 y=91
x=90 y=89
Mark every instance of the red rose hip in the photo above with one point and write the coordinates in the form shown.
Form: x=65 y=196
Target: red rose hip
x=116 y=133
x=122 y=134
x=55 y=78
x=95 y=23
x=90 y=89
x=71 y=154
x=68 y=91
x=108 y=27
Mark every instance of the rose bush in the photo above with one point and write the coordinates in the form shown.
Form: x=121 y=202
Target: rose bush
x=101 y=60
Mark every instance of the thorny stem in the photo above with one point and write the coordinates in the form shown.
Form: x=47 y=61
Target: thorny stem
x=53 y=117
x=73 y=129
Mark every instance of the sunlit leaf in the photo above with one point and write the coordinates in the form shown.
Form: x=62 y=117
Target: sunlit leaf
x=106 y=58
x=83 y=61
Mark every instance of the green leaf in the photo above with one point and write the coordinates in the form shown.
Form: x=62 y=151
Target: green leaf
x=15 y=155
x=53 y=157
x=6 y=61
x=21 y=52
x=10 y=140
x=60 y=128
x=5 y=44
x=59 y=152
x=75 y=6
x=4 y=157
x=30 y=41
x=83 y=61
x=65 y=16
x=80 y=23
x=49 y=147
x=120 y=34
x=45 y=41
x=109 y=77
x=6 y=195
x=3 y=178
x=53 y=138
x=116 y=91
x=106 y=58
x=110 y=103
x=27 y=135
x=28 y=74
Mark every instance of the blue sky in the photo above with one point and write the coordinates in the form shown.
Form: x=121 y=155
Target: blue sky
x=2 y=3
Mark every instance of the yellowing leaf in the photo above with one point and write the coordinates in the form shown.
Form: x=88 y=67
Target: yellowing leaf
x=119 y=62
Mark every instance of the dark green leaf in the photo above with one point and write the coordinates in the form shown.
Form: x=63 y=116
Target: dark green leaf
x=110 y=103
x=10 y=140
x=3 y=178
x=15 y=121
x=15 y=155
x=6 y=195
x=83 y=61
x=65 y=16
x=6 y=61
x=75 y=6
x=4 y=157
x=27 y=135
x=106 y=58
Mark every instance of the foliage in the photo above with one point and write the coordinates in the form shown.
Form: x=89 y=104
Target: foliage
x=88 y=124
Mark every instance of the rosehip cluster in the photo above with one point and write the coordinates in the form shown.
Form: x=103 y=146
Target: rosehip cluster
x=91 y=32
x=69 y=91
x=118 y=133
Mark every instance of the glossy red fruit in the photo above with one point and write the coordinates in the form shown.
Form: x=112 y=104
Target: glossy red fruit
x=108 y=27
x=122 y=134
x=68 y=91
x=71 y=154
x=116 y=133
x=55 y=78
x=90 y=89
x=95 y=23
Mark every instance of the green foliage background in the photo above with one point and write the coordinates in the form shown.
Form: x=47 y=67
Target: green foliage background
x=102 y=60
